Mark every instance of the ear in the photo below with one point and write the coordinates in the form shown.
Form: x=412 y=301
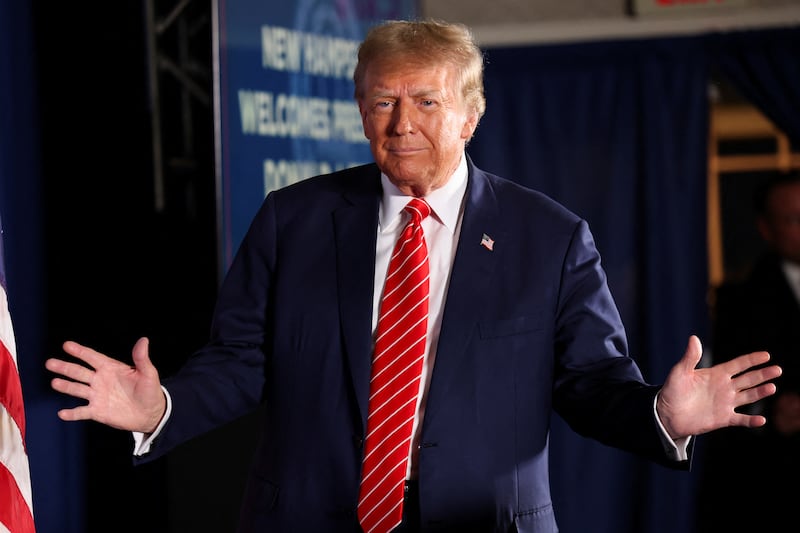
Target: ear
x=471 y=123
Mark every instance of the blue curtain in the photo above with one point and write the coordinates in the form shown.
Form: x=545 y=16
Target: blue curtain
x=765 y=67
x=616 y=131
x=54 y=448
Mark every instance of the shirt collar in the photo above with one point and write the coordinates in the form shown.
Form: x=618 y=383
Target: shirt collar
x=792 y=273
x=444 y=201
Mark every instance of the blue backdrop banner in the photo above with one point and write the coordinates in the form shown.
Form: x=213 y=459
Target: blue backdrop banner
x=284 y=98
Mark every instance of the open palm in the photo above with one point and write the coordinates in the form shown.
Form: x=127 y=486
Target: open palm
x=118 y=395
x=698 y=400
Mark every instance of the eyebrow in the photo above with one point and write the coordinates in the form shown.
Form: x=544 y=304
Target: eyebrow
x=421 y=93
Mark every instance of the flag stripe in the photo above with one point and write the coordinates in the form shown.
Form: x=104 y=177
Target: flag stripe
x=16 y=500
x=13 y=456
x=15 y=513
x=10 y=388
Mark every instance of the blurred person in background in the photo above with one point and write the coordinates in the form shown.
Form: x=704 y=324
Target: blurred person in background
x=761 y=312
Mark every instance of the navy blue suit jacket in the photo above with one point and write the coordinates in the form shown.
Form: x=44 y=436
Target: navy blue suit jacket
x=528 y=327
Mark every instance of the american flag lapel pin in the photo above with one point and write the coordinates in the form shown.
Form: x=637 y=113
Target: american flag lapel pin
x=487 y=242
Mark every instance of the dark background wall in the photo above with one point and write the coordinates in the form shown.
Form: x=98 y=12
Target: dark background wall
x=116 y=267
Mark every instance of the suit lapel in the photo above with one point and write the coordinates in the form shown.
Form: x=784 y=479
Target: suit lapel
x=471 y=282
x=355 y=228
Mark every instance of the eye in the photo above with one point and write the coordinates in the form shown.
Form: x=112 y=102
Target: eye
x=427 y=103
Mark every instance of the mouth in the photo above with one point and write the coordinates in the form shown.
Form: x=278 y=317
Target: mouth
x=404 y=150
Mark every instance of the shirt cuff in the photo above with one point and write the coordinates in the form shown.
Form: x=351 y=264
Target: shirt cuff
x=676 y=450
x=143 y=441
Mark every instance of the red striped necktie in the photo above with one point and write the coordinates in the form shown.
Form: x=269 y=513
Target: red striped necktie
x=396 y=375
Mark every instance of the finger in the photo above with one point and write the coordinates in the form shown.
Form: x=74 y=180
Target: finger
x=752 y=378
x=749 y=421
x=694 y=352
x=72 y=388
x=141 y=357
x=74 y=414
x=84 y=353
x=744 y=362
x=755 y=394
x=70 y=370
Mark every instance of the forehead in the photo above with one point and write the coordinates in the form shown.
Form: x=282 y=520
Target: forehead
x=409 y=75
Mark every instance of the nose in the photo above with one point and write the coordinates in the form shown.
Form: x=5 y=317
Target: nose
x=404 y=119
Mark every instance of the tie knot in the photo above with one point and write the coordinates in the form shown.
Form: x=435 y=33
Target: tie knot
x=418 y=209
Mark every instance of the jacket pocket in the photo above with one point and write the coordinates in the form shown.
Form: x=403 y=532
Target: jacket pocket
x=540 y=520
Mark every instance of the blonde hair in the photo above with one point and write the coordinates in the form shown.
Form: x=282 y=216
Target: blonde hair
x=426 y=42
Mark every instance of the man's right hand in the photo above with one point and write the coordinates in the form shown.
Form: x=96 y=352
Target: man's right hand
x=118 y=395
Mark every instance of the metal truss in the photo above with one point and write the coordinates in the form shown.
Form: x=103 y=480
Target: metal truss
x=180 y=76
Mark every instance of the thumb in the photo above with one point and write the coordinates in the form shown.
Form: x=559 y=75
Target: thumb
x=694 y=352
x=141 y=357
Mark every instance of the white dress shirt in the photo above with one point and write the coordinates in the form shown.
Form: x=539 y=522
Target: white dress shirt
x=792 y=273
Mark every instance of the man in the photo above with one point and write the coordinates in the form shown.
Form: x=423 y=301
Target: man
x=762 y=310
x=518 y=321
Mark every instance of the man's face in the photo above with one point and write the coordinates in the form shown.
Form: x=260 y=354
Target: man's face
x=781 y=227
x=416 y=121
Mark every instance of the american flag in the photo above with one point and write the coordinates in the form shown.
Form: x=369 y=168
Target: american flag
x=487 y=242
x=16 y=501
